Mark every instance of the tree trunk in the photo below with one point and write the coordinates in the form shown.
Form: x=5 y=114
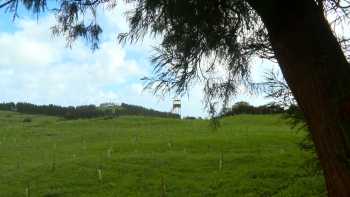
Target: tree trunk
x=318 y=74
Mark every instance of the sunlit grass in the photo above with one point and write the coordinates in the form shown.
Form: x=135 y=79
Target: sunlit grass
x=127 y=173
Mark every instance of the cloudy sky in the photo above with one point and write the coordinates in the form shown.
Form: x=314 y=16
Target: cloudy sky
x=39 y=69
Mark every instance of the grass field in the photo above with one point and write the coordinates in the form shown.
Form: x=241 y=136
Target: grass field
x=17 y=118
x=113 y=108
x=80 y=146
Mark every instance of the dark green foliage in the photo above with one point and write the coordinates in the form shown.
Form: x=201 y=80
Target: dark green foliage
x=7 y=106
x=84 y=111
x=70 y=116
x=295 y=117
x=214 y=123
x=296 y=120
x=198 y=37
x=189 y=118
x=277 y=88
x=72 y=22
x=36 y=6
x=27 y=120
x=108 y=104
x=245 y=108
x=136 y=109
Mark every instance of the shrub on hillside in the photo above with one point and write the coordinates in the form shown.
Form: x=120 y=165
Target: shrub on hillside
x=8 y=115
x=190 y=118
x=27 y=120
x=70 y=116
x=46 y=122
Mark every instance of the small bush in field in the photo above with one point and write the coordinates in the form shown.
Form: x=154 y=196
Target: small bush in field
x=8 y=115
x=46 y=122
x=189 y=118
x=70 y=116
x=27 y=120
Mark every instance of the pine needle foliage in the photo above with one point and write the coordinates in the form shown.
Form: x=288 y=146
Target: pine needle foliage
x=275 y=87
x=211 y=42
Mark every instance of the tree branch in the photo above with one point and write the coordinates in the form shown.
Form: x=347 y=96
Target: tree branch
x=2 y=5
x=89 y=4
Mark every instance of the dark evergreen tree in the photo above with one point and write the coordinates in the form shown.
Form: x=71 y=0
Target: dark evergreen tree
x=245 y=108
x=7 y=106
x=139 y=110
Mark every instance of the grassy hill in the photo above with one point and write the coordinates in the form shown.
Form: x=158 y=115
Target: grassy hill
x=17 y=118
x=132 y=169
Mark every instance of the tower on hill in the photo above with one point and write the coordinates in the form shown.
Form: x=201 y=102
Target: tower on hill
x=176 y=110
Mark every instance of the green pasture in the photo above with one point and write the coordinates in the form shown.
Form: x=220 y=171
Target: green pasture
x=15 y=118
x=132 y=169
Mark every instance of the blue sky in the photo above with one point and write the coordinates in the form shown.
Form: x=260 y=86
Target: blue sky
x=38 y=69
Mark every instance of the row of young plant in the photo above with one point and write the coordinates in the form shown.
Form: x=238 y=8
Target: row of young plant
x=110 y=151
x=134 y=139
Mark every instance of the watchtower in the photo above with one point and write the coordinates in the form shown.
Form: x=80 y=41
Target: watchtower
x=176 y=110
x=177 y=107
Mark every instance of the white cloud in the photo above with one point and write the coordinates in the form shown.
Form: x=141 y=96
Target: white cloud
x=35 y=68
x=30 y=45
x=101 y=97
x=38 y=69
x=136 y=89
x=116 y=20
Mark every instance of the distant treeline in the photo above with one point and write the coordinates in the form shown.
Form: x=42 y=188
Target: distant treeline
x=83 y=111
x=7 y=106
x=135 y=109
x=106 y=104
x=245 y=108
